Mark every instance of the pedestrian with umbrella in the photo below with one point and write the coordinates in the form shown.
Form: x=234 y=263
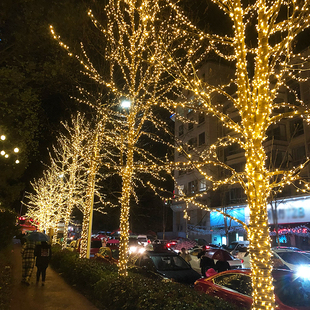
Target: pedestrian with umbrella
x=43 y=253
x=28 y=260
x=28 y=257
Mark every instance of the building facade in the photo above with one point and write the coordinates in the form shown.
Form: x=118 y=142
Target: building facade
x=287 y=145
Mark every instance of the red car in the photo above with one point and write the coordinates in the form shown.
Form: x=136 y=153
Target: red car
x=291 y=291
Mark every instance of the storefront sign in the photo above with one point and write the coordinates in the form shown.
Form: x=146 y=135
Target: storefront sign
x=290 y=211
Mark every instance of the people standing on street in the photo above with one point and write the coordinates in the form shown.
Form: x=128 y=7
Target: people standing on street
x=222 y=265
x=28 y=260
x=43 y=255
x=205 y=261
x=185 y=255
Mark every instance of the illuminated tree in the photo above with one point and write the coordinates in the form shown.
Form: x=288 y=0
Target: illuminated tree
x=260 y=74
x=136 y=86
x=70 y=159
x=45 y=205
x=65 y=182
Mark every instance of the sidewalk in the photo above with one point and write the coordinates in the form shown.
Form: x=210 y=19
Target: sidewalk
x=55 y=295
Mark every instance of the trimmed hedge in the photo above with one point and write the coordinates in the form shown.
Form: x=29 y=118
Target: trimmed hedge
x=102 y=285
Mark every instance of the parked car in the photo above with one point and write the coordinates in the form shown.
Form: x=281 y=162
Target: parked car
x=96 y=244
x=291 y=292
x=289 y=259
x=135 y=246
x=143 y=239
x=238 y=248
x=246 y=260
x=165 y=263
x=216 y=254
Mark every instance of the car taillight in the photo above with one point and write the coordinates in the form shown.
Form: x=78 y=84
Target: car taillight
x=242 y=261
x=168 y=245
x=148 y=241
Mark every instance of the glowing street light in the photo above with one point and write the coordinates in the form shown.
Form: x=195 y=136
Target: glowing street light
x=125 y=104
x=2 y=137
x=16 y=150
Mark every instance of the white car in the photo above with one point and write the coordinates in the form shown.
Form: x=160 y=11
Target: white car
x=246 y=260
x=290 y=259
x=143 y=240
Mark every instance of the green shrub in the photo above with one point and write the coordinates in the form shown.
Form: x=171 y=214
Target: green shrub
x=102 y=285
x=5 y=277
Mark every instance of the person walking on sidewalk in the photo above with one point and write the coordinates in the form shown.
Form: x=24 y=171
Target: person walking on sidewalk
x=43 y=254
x=28 y=260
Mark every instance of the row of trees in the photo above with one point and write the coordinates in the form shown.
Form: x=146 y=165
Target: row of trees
x=152 y=53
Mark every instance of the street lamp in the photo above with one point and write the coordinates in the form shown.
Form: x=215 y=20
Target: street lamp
x=125 y=104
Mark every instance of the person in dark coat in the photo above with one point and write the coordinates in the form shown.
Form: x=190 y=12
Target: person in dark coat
x=205 y=261
x=43 y=255
x=222 y=266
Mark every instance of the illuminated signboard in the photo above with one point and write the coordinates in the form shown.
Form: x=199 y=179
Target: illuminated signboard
x=289 y=211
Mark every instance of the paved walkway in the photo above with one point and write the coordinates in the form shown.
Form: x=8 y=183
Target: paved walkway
x=55 y=295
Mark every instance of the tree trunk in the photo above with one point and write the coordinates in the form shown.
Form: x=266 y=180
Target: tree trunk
x=260 y=247
x=125 y=208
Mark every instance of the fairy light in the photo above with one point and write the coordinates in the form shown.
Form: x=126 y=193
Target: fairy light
x=143 y=52
x=63 y=184
x=130 y=34
x=254 y=102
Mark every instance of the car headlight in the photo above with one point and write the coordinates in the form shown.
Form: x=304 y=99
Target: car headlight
x=141 y=250
x=303 y=272
x=132 y=249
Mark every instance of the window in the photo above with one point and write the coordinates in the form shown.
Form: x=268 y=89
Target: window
x=202 y=185
x=239 y=167
x=235 y=195
x=202 y=139
x=181 y=190
x=192 y=187
x=238 y=282
x=276 y=132
x=191 y=124
x=192 y=143
x=181 y=130
x=299 y=155
x=201 y=118
x=297 y=128
x=232 y=149
x=277 y=159
x=294 y=92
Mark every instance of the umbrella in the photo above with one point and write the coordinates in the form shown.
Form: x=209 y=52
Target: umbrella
x=219 y=254
x=185 y=243
x=37 y=236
